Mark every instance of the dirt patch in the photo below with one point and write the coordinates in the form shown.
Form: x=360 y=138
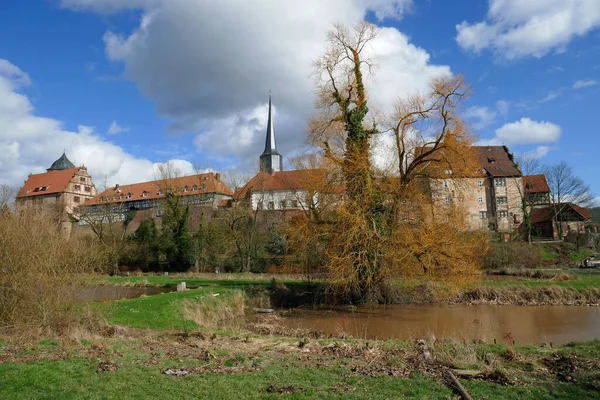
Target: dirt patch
x=106 y=366
x=214 y=369
x=283 y=389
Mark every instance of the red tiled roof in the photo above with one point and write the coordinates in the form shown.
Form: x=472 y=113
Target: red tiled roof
x=544 y=214
x=47 y=183
x=581 y=210
x=283 y=180
x=185 y=185
x=497 y=161
x=536 y=184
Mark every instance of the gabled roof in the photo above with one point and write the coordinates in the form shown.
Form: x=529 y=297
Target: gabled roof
x=53 y=181
x=548 y=213
x=300 y=179
x=185 y=186
x=62 y=163
x=536 y=184
x=497 y=161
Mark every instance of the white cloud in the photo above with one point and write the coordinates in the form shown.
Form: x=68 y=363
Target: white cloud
x=115 y=128
x=582 y=84
x=553 y=94
x=29 y=143
x=214 y=82
x=517 y=29
x=538 y=152
x=480 y=117
x=527 y=131
x=503 y=107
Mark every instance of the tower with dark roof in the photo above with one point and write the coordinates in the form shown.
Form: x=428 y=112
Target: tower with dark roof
x=62 y=163
x=270 y=159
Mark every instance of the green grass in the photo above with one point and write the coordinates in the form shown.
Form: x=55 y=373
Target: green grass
x=231 y=281
x=546 y=253
x=77 y=379
x=321 y=378
x=162 y=311
x=582 y=279
x=577 y=256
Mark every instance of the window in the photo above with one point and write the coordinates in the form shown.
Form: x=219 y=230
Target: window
x=194 y=188
x=128 y=195
x=500 y=181
x=271 y=205
x=283 y=204
x=503 y=214
x=87 y=189
x=448 y=200
x=82 y=180
x=445 y=184
x=76 y=199
x=185 y=189
x=77 y=187
x=480 y=199
x=144 y=194
x=260 y=205
x=479 y=183
x=501 y=200
x=294 y=203
x=483 y=214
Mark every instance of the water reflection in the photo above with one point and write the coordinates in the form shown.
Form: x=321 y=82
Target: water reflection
x=524 y=325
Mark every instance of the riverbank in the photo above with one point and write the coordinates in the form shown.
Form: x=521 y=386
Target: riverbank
x=225 y=365
x=176 y=345
x=555 y=287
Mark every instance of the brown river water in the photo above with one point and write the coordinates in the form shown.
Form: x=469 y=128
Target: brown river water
x=524 y=325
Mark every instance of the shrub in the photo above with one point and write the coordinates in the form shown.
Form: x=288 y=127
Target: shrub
x=213 y=311
x=512 y=254
x=38 y=266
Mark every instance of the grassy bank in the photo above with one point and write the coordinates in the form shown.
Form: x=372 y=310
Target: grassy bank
x=250 y=367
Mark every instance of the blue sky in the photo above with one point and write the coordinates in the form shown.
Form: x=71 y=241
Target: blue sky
x=188 y=80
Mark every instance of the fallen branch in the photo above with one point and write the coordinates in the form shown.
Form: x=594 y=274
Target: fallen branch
x=455 y=384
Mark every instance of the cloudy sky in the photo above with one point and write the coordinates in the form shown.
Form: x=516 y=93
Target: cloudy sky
x=125 y=84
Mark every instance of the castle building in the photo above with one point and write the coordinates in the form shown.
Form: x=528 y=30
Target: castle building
x=202 y=192
x=493 y=199
x=61 y=189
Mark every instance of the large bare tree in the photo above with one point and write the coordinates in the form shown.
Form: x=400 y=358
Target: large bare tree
x=565 y=186
x=7 y=196
x=429 y=138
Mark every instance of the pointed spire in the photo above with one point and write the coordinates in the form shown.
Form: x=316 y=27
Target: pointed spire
x=270 y=147
x=270 y=159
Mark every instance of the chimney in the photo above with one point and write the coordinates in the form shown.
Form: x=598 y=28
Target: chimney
x=117 y=186
x=218 y=177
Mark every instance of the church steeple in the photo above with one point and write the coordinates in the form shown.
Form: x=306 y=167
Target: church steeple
x=270 y=159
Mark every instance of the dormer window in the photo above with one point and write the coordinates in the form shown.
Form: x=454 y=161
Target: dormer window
x=128 y=195
x=491 y=160
x=159 y=192
x=144 y=194
x=185 y=189
x=194 y=188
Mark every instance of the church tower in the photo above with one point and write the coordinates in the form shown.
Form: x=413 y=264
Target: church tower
x=270 y=159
